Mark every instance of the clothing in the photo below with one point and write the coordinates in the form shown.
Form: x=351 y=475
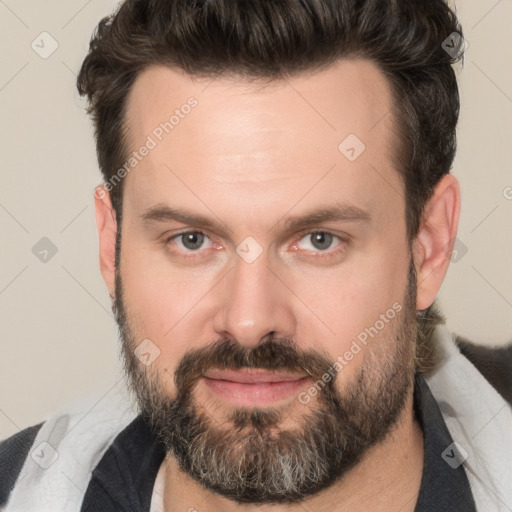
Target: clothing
x=108 y=459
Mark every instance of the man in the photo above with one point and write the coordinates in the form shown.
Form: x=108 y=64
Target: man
x=275 y=222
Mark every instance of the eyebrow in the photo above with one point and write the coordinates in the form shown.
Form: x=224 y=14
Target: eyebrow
x=340 y=212
x=164 y=213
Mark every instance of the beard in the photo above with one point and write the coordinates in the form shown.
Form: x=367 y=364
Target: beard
x=249 y=458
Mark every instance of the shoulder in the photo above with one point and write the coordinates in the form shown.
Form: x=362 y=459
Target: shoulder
x=67 y=445
x=494 y=363
x=13 y=452
x=471 y=385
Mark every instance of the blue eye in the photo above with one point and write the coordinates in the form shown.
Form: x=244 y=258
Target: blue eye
x=191 y=241
x=320 y=241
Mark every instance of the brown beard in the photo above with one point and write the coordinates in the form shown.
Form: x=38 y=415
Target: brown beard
x=250 y=459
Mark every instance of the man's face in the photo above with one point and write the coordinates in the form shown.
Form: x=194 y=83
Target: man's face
x=254 y=289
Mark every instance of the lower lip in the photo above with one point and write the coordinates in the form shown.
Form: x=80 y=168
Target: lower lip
x=256 y=394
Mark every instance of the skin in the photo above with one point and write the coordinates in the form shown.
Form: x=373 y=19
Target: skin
x=253 y=157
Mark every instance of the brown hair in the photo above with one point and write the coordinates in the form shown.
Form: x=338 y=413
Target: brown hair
x=263 y=39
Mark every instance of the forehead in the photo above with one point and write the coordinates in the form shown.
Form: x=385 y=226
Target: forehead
x=248 y=139
x=349 y=96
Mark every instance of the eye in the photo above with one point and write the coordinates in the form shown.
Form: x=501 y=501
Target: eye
x=319 y=241
x=190 y=241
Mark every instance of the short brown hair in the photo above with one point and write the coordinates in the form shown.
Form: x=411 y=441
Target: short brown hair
x=275 y=39
x=263 y=39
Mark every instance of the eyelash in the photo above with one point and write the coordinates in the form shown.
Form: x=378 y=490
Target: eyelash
x=344 y=242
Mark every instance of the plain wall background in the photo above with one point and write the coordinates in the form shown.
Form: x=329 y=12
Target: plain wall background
x=58 y=338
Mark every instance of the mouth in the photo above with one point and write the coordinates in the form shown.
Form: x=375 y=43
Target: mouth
x=254 y=387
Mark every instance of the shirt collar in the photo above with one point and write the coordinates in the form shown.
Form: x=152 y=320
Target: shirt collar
x=444 y=484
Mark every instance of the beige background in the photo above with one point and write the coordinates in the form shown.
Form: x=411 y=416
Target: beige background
x=58 y=337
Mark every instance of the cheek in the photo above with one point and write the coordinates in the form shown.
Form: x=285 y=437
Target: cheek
x=160 y=294
x=358 y=301
x=156 y=302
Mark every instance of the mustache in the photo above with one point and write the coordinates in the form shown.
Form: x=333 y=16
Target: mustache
x=274 y=354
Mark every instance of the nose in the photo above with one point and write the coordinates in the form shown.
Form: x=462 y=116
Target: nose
x=254 y=304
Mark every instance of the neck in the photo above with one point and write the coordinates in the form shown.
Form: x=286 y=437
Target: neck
x=387 y=478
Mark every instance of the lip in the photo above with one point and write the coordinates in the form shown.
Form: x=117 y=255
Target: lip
x=253 y=388
x=252 y=376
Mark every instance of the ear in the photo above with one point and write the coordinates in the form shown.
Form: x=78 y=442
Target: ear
x=107 y=228
x=434 y=244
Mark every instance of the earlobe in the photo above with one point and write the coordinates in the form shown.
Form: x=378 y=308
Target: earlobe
x=435 y=240
x=107 y=229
